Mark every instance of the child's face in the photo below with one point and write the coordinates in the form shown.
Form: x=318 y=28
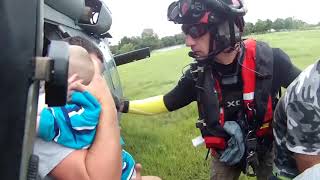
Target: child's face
x=80 y=63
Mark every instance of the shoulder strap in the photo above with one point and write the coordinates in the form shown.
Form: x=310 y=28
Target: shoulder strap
x=264 y=65
x=207 y=100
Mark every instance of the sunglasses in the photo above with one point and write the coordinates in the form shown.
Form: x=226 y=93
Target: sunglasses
x=195 y=30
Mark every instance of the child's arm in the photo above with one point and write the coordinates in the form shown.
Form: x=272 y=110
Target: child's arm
x=86 y=114
x=47 y=128
x=45 y=120
x=41 y=106
x=74 y=124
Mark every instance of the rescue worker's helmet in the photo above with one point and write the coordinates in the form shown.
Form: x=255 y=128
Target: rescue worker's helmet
x=222 y=18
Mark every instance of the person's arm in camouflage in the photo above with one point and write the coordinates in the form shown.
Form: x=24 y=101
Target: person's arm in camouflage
x=303 y=118
x=304 y=133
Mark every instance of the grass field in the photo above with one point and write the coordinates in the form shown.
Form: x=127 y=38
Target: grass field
x=162 y=143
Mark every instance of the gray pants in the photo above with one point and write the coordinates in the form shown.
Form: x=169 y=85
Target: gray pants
x=220 y=171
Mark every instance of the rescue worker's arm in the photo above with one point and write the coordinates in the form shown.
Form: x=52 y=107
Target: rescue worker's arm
x=148 y=106
x=183 y=94
x=103 y=159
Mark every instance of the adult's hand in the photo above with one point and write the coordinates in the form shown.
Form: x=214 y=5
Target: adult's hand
x=138 y=169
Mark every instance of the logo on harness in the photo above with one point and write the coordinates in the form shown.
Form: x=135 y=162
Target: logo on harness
x=233 y=103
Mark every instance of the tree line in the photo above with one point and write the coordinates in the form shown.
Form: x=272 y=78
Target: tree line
x=150 y=39
x=264 y=26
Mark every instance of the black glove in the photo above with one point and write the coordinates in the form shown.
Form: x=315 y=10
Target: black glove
x=122 y=105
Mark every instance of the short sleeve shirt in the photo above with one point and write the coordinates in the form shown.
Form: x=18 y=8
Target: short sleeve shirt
x=296 y=123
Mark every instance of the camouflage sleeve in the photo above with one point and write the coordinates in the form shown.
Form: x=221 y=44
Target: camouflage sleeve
x=303 y=125
x=303 y=112
x=278 y=124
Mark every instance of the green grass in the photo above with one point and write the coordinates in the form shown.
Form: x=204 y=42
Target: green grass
x=162 y=143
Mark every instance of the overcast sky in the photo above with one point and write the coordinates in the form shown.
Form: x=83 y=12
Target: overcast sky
x=130 y=17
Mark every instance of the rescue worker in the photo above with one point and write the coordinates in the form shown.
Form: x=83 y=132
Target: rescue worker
x=235 y=83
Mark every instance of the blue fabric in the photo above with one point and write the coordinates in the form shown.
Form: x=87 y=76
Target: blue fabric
x=72 y=125
x=128 y=164
x=121 y=141
x=235 y=149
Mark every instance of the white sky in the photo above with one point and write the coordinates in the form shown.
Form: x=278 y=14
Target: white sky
x=130 y=17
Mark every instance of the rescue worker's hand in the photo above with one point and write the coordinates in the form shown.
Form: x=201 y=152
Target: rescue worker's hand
x=236 y=148
x=117 y=102
x=122 y=106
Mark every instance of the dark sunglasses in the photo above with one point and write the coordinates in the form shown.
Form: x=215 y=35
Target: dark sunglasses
x=194 y=30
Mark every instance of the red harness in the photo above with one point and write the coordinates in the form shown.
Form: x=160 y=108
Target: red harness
x=249 y=85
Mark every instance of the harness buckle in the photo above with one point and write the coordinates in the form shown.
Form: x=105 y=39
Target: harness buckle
x=201 y=124
x=198 y=69
x=195 y=70
x=251 y=155
x=250 y=107
x=253 y=162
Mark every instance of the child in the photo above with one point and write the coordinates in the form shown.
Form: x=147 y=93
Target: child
x=74 y=125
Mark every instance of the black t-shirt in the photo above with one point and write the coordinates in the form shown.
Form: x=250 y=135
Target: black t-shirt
x=231 y=92
x=284 y=72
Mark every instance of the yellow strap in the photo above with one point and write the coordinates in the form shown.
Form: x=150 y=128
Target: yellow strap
x=149 y=106
x=265 y=125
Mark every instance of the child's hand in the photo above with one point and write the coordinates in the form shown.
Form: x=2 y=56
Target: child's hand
x=73 y=79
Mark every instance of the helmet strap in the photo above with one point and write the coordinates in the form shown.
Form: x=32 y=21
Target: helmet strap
x=212 y=40
x=232 y=32
x=219 y=42
x=215 y=44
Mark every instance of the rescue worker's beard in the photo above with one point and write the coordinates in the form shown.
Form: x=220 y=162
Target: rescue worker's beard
x=228 y=55
x=200 y=58
x=212 y=54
